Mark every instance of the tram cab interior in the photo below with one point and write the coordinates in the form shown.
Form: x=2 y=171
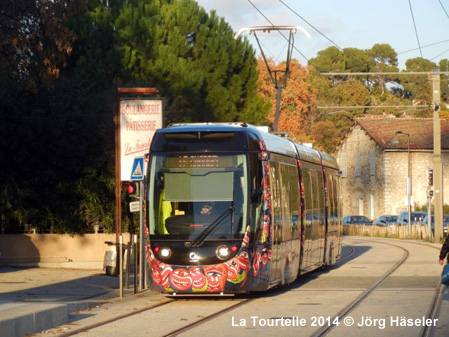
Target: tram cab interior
x=184 y=185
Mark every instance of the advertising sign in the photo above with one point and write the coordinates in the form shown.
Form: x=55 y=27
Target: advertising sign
x=139 y=119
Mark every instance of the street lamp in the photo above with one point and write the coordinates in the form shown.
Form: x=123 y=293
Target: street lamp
x=409 y=177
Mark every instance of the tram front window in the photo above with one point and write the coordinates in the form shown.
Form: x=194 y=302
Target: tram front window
x=189 y=194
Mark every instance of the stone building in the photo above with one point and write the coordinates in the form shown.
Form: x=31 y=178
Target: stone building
x=374 y=164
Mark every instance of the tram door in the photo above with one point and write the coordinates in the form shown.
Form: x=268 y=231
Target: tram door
x=308 y=212
x=276 y=227
x=318 y=227
x=314 y=218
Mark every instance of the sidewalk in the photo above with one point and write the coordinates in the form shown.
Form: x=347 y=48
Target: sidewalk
x=35 y=299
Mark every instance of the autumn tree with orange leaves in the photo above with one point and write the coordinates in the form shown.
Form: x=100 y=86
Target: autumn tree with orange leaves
x=296 y=100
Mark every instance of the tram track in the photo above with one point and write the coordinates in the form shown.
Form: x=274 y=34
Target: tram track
x=148 y=309
x=114 y=319
x=432 y=313
x=345 y=311
x=198 y=321
x=208 y=318
x=428 y=331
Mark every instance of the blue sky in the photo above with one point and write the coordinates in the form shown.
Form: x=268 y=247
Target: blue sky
x=348 y=23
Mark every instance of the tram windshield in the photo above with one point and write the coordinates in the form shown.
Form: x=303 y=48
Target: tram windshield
x=198 y=196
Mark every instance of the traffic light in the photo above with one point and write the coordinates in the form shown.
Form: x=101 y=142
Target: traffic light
x=132 y=189
x=429 y=177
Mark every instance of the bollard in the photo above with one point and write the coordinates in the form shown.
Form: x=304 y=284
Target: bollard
x=128 y=264
x=121 y=264
x=136 y=262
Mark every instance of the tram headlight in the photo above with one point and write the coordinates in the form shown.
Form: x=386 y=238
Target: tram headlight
x=222 y=252
x=165 y=253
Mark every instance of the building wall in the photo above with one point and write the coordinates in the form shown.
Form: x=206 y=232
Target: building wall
x=381 y=189
x=361 y=162
x=396 y=168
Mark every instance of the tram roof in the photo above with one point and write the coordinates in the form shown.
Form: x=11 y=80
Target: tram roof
x=219 y=127
x=273 y=143
x=328 y=160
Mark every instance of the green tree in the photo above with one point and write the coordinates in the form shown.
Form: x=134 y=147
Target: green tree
x=383 y=58
x=418 y=87
x=356 y=60
x=192 y=57
x=444 y=66
x=330 y=59
x=62 y=179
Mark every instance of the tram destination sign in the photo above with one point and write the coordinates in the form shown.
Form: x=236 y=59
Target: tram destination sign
x=139 y=120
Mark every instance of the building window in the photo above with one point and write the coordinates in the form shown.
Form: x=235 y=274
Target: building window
x=357 y=164
x=372 y=162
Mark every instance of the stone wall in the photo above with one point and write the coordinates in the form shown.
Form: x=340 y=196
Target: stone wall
x=362 y=187
x=379 y=190
x=396 y=168
x=68 y=251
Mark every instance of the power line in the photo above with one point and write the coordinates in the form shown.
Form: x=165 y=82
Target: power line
x=429 y=45
x=444 y=9
x=271 y=23
x=439 y=55
x=414 y=25
x=336 y=45
x=260 y=12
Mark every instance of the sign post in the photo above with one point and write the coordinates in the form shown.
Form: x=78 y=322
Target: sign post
x=137 y=174
x=137 y=119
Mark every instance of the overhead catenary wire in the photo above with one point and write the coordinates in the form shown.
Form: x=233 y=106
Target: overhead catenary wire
x=447 y=50
x=444 y=9
x=422 y=47
x=271 y=23
x=319 y=32
x=414 y=25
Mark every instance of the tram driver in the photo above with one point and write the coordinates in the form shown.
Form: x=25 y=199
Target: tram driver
x=206 y=209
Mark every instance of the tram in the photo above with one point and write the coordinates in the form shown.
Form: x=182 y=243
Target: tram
x=231 y=209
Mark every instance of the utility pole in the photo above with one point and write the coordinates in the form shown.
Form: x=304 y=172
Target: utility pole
x=278 y=77
x=437 y=164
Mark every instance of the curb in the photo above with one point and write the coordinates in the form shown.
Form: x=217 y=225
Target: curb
x=22 y=318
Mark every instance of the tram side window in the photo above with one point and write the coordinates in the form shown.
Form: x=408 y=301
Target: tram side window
x=316 y=197
x=275 y=193
x=330 y=199
x=321 y=203
x=308 y=198
x=337 y=200
x=285 y=200
x=294 y=202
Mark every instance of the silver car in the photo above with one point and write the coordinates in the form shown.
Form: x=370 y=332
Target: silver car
x=417 y=217
x=386 y=220
x=432 y=224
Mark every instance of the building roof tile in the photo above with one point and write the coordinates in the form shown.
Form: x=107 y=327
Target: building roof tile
x=383 y=131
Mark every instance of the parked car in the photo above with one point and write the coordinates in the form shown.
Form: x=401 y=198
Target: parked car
x=417 y=217
x=386 y=220
x=432 y=224
x=356 y=220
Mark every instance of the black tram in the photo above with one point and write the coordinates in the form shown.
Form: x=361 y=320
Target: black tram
x=231 y=209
